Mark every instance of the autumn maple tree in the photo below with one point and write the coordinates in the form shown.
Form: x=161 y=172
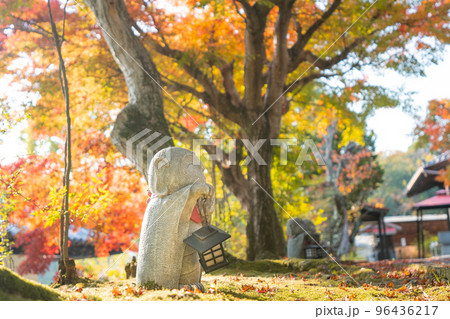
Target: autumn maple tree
x=433 y=132
x=352 y=173
x=67 y=272
x=339 y=188
x=246 y=60
x=107 y=197
x=232 y=68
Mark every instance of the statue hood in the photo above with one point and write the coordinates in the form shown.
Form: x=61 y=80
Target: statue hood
x=172 y=169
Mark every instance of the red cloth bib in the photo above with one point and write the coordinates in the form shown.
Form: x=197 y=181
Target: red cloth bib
x=195 y=216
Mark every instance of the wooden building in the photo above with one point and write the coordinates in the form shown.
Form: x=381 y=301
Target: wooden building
x=405 y=238
x=422 y=180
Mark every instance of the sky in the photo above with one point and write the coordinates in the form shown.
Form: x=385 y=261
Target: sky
x=393 y=127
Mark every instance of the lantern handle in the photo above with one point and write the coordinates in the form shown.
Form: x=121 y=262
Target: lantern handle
x=201 y=202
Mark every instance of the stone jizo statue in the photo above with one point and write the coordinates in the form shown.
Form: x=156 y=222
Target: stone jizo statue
x=130 y=268
x=181 y=202
x=300 y=232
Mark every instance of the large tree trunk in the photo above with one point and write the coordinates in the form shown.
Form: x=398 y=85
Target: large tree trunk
x=344 y=242
x=337 y=230
x=339 y=224
x=144 y=115
x=265 y=235
x=145 y=111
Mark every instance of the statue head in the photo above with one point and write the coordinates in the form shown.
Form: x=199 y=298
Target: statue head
x=173 y=168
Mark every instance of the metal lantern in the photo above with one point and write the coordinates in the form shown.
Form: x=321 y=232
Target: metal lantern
x=314 y=252
x=207 y=241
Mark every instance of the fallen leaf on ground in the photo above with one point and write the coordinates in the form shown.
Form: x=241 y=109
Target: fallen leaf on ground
x=247 y=287
x=390 y=293
x=116 y=292
x=78 y=287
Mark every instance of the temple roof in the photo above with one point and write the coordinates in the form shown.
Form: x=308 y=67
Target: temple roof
x=440 y=200
x=425 y=176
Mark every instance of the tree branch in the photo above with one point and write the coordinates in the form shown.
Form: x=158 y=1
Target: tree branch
x=302 y=39
x=230 y=86
x=237 y=10
x=30 y=26
x=278 y=68
x=212 y=95
x=255 y=54
x=325 y=64
x=328 y=152
x=305 y=80
x=145 y=110
x=173 y=85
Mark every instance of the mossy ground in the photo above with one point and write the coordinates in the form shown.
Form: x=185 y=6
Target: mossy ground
x=14 y=287
x=291 y=279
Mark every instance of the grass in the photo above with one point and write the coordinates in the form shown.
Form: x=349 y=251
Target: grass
x=290 y=279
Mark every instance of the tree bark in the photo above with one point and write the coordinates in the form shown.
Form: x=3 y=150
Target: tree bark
x=344 y=243
x=333 y=170
x=265 y=237
x=145 y=110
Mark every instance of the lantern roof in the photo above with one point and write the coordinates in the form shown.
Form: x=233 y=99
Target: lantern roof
x=373 y=213
x=206 y=237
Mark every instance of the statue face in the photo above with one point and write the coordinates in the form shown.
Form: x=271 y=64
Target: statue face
x=193 y=168
x=174 y=168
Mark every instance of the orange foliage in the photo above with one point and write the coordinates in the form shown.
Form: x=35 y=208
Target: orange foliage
x=434 y=132
x=435 y=128
x=207 y=32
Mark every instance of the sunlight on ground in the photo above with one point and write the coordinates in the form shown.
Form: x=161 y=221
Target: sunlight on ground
x=287 y=280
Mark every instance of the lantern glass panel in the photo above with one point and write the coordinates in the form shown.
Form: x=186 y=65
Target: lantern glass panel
x=208 y=255
x=213 y=256
x=313 y=252
x=217 y=251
